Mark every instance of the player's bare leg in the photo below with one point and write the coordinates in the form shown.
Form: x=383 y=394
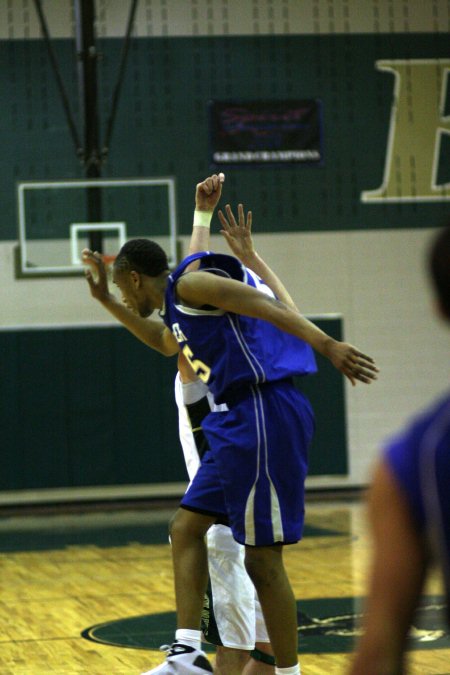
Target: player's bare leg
x=230 y=661
x=255 y=665
x=240 y=662
x=190 y=565
x=265 y=567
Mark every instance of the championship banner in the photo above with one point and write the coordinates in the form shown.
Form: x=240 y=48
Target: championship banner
x=265 y=132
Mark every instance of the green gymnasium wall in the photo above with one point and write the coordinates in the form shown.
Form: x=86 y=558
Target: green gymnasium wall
x=94 y=407
x=161 y=127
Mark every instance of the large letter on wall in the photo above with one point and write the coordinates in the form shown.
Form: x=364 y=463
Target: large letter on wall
x=416 y=126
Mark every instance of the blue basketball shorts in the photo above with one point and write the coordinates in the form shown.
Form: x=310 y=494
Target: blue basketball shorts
x=255 y=469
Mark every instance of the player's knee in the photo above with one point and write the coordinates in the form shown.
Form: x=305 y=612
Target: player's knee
x=262 y=569
x=187 y=524
x=177 y=527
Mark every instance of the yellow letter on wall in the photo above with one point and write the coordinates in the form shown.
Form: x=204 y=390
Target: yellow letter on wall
x=416 y=126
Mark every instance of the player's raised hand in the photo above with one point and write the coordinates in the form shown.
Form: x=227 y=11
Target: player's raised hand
x=355 y=365
x=208 y=192
x=95 y=265
x=238 y=234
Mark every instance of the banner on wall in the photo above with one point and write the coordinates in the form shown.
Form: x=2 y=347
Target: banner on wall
x=265 y=132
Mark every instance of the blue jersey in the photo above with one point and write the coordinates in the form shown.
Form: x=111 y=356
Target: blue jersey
x=227 y=350
x=419 y=457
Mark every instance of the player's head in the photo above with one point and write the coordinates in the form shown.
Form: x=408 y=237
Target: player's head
x=143 y=256
x=439 y=262
x=138 y=270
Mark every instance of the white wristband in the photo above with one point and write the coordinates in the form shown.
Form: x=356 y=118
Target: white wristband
x=202 y=218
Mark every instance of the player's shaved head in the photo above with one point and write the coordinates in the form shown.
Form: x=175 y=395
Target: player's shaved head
x=142 y=256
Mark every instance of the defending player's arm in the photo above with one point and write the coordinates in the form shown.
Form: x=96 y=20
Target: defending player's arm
x=150 y=331
x=238 y=235
x=202 y=288
x=195 y=400
x=397 y=577
x=207 y=195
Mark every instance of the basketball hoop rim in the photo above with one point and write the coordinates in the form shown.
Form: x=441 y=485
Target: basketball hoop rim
x=108 y=259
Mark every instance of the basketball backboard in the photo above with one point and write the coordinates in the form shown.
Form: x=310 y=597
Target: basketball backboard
x=54 y=223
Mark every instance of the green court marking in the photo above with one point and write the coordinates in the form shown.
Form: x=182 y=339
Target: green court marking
x=326 y=626
x=57 y=538
x=61 y=537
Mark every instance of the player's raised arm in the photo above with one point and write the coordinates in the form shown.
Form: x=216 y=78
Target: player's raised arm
x=238 y=234
x=207 y=195
x=152 y=332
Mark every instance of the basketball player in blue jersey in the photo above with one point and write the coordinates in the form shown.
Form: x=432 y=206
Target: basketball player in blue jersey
x=231 y=617
x=246 y=346
x=409 y=510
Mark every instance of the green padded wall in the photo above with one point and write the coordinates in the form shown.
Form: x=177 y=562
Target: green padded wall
x=86 y=407
x=325 y=390
x=94 y=406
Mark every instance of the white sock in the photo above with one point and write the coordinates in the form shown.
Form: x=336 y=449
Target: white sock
x=292 y=670
x=191 y=638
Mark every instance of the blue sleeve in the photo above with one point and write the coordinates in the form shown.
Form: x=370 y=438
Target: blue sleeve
x=402 y=457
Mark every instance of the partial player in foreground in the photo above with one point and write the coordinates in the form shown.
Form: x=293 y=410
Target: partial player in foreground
x=409 y=510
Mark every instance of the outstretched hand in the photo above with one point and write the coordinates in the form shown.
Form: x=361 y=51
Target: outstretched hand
x=98 y=286
x=355 y=365
x=208 y=192
x=238 y=234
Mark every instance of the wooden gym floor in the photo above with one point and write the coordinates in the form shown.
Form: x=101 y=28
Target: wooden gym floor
x=64 y=575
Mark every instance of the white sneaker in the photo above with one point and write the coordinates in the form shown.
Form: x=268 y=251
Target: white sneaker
x=182 y=660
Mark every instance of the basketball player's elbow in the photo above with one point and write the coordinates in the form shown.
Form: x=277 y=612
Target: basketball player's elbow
x=281 y=317
x=170 y=351
x=169 y=346
x=164 y=348
x=162 y=342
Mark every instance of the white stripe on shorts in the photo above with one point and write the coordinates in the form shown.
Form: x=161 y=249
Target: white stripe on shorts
x=275 y=511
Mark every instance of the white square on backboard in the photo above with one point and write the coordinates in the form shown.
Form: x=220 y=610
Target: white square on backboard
x=76 y=228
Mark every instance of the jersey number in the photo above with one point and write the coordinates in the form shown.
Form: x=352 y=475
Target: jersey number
x=200 y=369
